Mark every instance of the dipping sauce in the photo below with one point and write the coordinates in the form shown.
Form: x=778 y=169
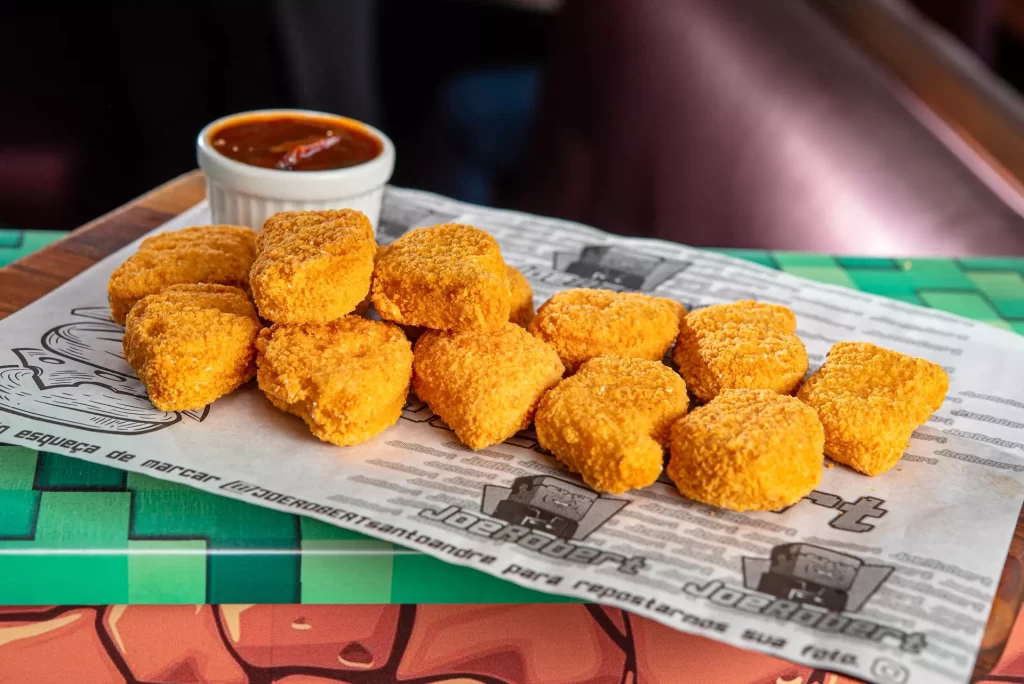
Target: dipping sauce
x=295 y=143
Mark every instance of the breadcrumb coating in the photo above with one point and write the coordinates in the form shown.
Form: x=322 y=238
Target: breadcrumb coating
x=364 y=306
x=348 y=378
x=743 y=345
x=610 y=421
x=220 y=254
x=870 y=399
x=282 y=225
x=312 y=266
x=484 y=383
x=522 y=306
x=190 y=344
x=522 y=297
x=583 y=324
x=445 y=277
x=747 y=450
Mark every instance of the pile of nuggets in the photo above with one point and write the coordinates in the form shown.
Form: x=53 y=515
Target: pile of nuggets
x=207 y=308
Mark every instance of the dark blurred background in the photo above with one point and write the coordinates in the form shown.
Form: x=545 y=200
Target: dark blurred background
x=102 y=100
x=539 y=104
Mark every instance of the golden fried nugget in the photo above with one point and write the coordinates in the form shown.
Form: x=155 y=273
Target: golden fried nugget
x=348 y=378
x=522 y=305
x=282 y=225
x=747 y=450
x=201 y=254
x=583 y=324
x=870 y=399
x=610 y=421
x=743 y=345
x=445 y=277
x=190 y=344
x=364 y=306
x=484 y=383
x=522 y=297
x=312 y=266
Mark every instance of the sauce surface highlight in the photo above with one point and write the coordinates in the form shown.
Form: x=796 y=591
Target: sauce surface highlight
x=295 y=143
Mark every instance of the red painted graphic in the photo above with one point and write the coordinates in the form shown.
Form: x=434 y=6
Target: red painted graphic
x=453 y=644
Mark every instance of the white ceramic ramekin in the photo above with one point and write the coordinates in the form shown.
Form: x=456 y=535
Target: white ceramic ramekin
x=246 y=195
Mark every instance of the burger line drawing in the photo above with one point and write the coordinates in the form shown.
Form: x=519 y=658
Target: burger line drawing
x=79 y=379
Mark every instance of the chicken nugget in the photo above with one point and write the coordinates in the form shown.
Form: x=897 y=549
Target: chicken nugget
x=747 y=450
x=484 y=383
x=312 y=266
x=522 y=305
x=870 y=400
x=200 y=254
x=363 y=307
x=348 y=378
x=583 y=324
x=283 y=225
x=610 y=421
x=743 y=345
x=522 y=297
x=190 y=344
x=445 y=277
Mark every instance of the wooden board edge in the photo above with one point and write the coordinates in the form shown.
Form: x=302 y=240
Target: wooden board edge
x=34 y=275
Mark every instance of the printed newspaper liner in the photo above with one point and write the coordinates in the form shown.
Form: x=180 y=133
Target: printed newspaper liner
x=889 y=579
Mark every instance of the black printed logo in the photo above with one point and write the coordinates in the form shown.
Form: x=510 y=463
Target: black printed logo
x=813 y=587
x=814 y=575
x=549 y=504
x=617 y=268
x=853 y=516
x=888 y=671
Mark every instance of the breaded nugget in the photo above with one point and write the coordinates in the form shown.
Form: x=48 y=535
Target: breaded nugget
x=610 y=421
x=348 y=378
x=522 y=297
x=522 y=305
x=747 y=450
x=312 y=266
x=201 y=254
x=870 y=399
x=484 y=383
x=743 y=345
x=190 y=344
x=282 y=225
x=445 y=277
x=583 y=324
x=364 y=306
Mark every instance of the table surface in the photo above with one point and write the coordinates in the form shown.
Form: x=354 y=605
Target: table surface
x=149 y=541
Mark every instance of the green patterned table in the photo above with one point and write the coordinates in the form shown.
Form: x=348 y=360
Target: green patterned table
x=15 y=244
x=76 y=533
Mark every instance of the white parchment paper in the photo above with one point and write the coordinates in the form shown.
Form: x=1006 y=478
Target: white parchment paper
x=889 y=579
